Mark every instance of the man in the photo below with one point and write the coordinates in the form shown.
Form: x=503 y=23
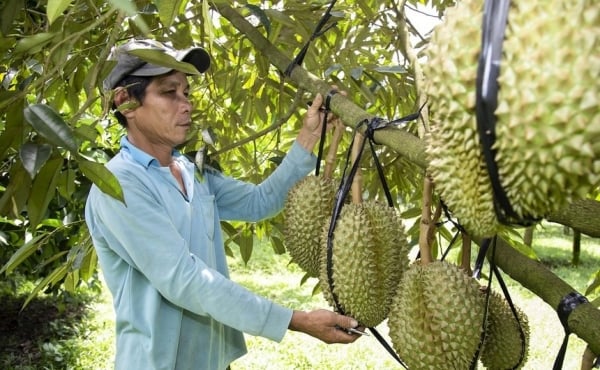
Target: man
x=161 y=253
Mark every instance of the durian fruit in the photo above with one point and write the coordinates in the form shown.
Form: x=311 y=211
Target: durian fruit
x=307 y=209
x=435 y=320
x=369 y=255
x=548 y=121
x=503 y=343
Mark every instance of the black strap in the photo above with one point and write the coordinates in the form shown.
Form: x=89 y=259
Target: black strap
x=513 y=309
x=482 y=252
x=495 y=17
x=326 y=111
x=485 y=244
x=567 y=305
x=316 y=33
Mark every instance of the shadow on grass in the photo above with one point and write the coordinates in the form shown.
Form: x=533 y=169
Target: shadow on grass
x=32 y=336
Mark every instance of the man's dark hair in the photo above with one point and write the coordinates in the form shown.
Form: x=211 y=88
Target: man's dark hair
x=136 y=88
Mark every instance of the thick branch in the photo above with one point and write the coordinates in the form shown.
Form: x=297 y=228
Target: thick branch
x=583 y=321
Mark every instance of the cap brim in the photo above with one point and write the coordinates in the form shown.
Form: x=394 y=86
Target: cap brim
x=148 y=63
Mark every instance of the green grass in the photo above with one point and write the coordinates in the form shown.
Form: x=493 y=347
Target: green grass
x=78 y=332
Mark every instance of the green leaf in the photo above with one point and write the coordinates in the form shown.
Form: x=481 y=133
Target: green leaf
x=167 y=10
x=102 y=177
x=246 y=242
x=56 y=8
x=54 y=277
x=89 y=263
x=261 y=15
x=277 y=244
x=17 y=192
x=34 y=156
x=128 y=7
x=391 y=69
x=10 y=10
x=43 y=190
x=33 y=44
x=22 y=253
x=594 y=285
x=165 y=60
x=48 y=123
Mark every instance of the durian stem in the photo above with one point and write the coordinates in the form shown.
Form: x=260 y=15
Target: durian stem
x=338 y=131
x=465 y=262
x=425 y=240
x=588 y=358
x=357 y=180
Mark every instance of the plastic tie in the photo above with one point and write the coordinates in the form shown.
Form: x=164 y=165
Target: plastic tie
x=566 y=305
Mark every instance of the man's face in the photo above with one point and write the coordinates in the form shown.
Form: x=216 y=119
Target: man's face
x=164 y=118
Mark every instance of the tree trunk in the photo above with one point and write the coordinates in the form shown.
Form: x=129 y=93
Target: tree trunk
x=581 y=215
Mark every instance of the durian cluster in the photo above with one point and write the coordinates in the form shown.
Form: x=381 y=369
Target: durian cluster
x=436 y=321
x=548 y=121
x=369 y=248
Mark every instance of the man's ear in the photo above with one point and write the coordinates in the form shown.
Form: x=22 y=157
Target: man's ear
x=123 y=102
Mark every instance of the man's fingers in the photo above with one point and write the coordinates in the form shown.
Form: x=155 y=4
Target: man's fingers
x=316 y=104
x=346 y=321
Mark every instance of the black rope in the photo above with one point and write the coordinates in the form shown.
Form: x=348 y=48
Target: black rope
x=513 y=309
x=454 y=238
x=483 y=252
x=485 y=244
x=318 y=31
x=567 y=305
x=495 y=17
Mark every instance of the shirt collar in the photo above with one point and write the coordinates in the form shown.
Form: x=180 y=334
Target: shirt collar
x=139 y=155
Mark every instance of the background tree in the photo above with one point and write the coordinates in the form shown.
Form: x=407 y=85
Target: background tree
x=57 y=130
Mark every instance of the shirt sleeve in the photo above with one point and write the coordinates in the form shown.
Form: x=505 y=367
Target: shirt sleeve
x=243 y=201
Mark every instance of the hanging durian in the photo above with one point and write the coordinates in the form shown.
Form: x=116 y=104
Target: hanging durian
x=548 y=121
x=307 y=209
x=504 y=347
x=369 y=255
x=436 y=317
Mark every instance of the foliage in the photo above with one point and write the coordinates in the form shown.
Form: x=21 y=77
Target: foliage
x=56 y=130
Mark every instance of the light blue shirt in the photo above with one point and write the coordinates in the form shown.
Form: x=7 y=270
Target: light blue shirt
x=163 y=260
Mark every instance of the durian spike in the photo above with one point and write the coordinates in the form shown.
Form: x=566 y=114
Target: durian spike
x=357 y=180
x=465 y=263
x=338 y=131
x=426 y=222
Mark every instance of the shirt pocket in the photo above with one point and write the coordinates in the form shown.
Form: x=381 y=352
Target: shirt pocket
x=204 y=209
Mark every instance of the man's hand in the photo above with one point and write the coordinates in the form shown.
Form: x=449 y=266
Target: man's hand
x=312 y=124
x=324 y=325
